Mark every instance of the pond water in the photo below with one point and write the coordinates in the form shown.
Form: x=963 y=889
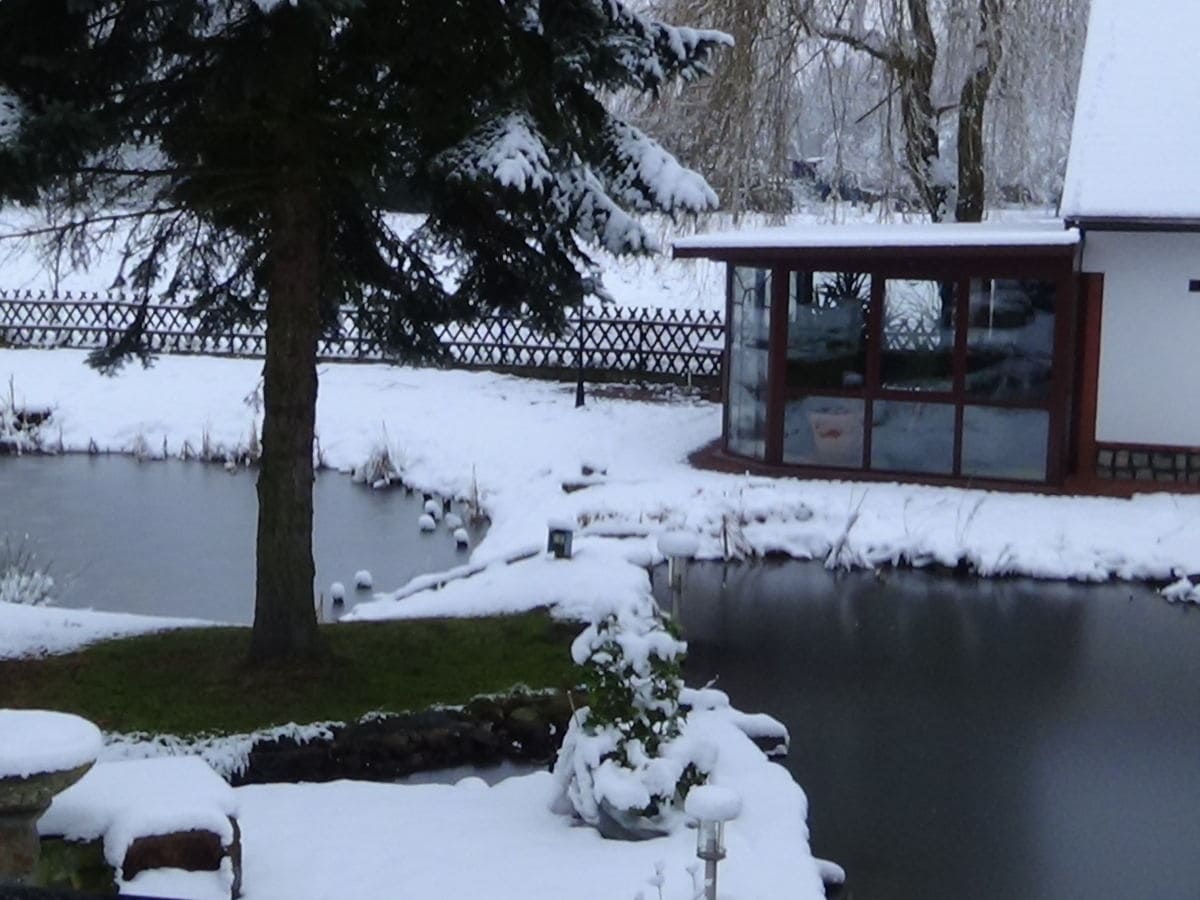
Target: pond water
x=968 y=738
x=177 y=538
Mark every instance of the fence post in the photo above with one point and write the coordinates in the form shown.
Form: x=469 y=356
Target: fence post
x=579 y=354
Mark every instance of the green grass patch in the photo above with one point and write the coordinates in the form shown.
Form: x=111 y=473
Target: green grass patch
x=196 y=680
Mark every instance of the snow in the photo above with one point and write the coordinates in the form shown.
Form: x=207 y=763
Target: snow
x=1137 y=116
x=33 y=741
x=427 y=522
x=337 y=592
x=518 y=440
x=501 y=842
x=363 y=580
x=180 y=884
x=42 y=631
x=1046 y=233
x=678 y=544
x=713 y=803
x=120 y=802
x=461 y=538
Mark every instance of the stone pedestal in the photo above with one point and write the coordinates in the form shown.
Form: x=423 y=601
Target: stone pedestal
x=22 y=802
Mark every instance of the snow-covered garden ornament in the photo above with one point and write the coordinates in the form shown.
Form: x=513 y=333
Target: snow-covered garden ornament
x=41 y=754
x=626 y=764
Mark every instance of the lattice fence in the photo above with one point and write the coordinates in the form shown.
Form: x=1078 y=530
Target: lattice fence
x=630 y=341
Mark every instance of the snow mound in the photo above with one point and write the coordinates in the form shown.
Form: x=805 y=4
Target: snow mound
x=713 y=803
x=123 y=801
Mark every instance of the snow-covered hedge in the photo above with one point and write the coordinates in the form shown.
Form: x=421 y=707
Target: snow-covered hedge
x=626 y=763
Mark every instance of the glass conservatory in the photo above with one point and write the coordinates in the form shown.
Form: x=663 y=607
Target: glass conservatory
x=937 y=352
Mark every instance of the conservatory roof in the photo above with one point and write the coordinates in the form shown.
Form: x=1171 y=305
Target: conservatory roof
x=1036 y=235
x=1136 y=136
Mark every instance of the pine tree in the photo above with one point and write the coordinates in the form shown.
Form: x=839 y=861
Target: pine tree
x=249 y=151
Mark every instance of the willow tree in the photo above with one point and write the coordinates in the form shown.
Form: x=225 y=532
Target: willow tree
x=246 y=151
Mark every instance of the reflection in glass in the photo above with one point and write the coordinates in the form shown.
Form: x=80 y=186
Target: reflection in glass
x=824 y=431
x=912 y=437
x=827 y=314
x=750 y=328
x=1005 y=443
x=918 y=335
x=1010 y=339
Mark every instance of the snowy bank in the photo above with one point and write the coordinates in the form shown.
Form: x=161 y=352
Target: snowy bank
x=44 y=631
x=518 y=441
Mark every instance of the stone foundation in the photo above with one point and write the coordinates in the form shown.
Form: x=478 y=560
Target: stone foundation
x=1161 y=465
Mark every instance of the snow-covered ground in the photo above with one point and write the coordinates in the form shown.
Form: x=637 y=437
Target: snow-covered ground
x=517 y=441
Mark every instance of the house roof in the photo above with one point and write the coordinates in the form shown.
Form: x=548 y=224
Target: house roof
x=1135 y=146
x=872 y=237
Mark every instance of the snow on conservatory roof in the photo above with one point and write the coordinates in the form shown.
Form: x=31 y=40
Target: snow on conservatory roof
x=1135 y=147
x=1050 y=233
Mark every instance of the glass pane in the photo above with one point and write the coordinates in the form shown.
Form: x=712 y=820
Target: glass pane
x=912 y=437
x=918 y=335
x=1005 y=443
x=750 y=327
x=827 y=315
x=823 y=431
x=1010 y=339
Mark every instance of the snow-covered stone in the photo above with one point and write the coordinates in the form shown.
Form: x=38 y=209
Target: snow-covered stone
x=120 y=802
x=337 y=592
x=461 y=538
x=363 y=580
x=453 y=521
x=427 y=522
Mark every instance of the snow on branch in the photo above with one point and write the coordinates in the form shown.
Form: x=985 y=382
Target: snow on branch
x=597 y=218
x=509 y=152
x=652 y=52
x=10 y=115
x=645 y=176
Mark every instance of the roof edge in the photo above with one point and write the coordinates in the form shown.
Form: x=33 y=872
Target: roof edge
x=1134 y=223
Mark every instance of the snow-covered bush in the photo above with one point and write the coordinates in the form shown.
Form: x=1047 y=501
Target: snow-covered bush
x=18 y=429
x=21 y=579
x=626 y=764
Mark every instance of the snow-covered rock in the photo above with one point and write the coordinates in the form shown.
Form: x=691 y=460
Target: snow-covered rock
x=337 y=592
x=363 y=580
x=427 y=522
x=461 y=538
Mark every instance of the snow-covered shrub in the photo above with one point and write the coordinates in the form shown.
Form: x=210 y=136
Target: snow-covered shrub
x=626 y=764
x=19 y=430
x=21 y=579
x=378 y=470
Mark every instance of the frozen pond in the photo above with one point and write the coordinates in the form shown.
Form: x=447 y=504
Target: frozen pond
x=964 y=738
x=177 y=538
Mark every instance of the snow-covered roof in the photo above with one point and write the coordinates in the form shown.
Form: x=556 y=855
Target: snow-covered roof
x=871 y=236
x=1136 y=141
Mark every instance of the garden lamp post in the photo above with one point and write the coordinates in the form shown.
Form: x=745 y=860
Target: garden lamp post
x=711 y=806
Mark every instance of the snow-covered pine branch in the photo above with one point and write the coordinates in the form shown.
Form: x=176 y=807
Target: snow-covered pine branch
x=508 y=151
x=642 y=175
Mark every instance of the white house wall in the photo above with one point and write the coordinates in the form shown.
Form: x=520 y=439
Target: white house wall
x=1149 y=389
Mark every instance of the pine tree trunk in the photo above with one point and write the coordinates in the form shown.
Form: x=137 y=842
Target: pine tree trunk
x=285 y=623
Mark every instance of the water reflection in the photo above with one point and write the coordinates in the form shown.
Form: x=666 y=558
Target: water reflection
x=967 y=738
